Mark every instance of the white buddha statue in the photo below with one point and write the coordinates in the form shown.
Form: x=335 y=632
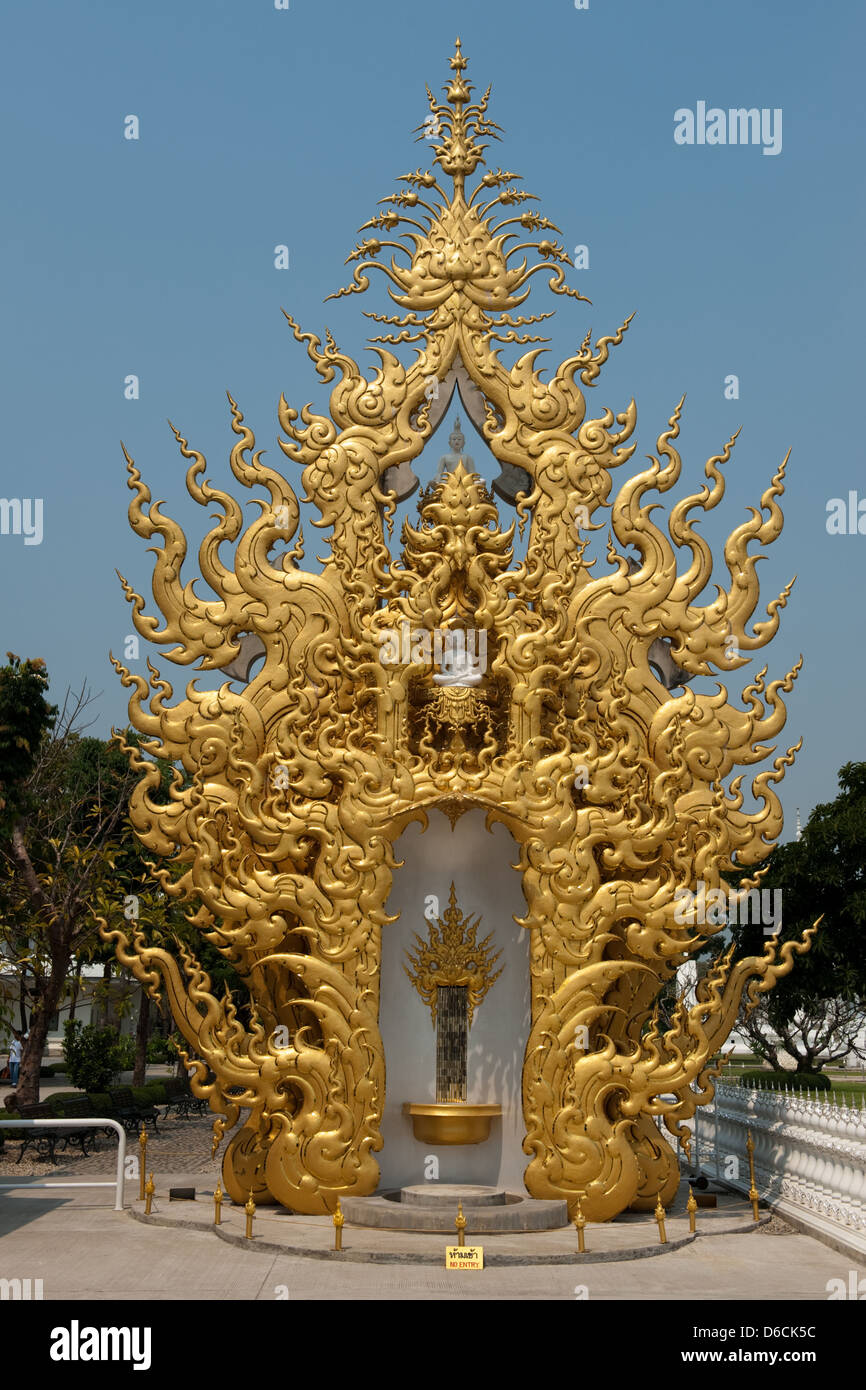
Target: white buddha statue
x=456 y=445
x=458 y=663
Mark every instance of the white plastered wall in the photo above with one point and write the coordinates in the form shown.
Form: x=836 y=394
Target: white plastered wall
x=479 y=862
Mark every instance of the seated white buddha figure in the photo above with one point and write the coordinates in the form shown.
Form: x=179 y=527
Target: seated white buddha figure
x=458 y=663
x=449 y=461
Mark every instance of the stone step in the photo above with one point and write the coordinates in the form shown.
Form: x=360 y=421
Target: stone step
x=387 y=1212
x=448 y=1194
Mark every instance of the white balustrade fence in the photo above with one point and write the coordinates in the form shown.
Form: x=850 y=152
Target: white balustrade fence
x=810 y=1151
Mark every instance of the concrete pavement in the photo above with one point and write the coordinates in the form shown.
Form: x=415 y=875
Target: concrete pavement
x=84 y=1251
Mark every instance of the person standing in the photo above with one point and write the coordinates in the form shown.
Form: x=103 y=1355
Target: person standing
x=14 y=1058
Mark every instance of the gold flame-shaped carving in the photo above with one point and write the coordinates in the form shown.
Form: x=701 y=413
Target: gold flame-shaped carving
x=451 y=955
x=583 y=736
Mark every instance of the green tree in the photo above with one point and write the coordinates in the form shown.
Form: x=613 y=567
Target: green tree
x=93 y=1055
x=817 y=1010
x=68 y=815
x=25 y=718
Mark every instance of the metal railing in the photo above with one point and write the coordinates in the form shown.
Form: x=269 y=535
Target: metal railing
x=95 y=1123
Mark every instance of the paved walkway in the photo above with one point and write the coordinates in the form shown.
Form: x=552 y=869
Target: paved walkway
x=83 y=1250
x=632 y=1236
x=180 y=1144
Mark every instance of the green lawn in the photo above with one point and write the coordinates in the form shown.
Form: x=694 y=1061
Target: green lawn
x=850 y=1090
x=845 y=1086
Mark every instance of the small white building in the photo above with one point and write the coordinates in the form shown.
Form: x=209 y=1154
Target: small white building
x=111 y=1001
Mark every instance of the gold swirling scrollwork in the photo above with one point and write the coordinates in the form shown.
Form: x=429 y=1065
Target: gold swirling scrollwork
x=293 y=783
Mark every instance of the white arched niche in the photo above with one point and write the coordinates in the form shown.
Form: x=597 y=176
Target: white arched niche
x=479 y=863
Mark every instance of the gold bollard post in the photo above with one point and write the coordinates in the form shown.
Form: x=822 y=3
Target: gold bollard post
x=217 y=1203
x=753 y=1191
x=691 y=1208
x=250 y=1210
x=339 y=1218
x=580 y=1222
x=460 y=1223
x=660 y=1218
x=142 y=1162
x=149 y=1190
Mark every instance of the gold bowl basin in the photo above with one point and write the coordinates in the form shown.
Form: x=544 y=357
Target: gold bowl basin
x=452 y=1122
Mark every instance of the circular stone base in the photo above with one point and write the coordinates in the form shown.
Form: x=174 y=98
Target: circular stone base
x=631 y=1236
x=433 y=1207
x=448 y=1194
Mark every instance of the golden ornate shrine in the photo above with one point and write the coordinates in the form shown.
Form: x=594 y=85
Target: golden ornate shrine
x=299 y=779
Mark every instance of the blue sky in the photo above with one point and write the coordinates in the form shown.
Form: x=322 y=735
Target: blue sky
x=260 y=127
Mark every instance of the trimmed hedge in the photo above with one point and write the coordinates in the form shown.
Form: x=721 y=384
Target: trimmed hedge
x=791 y=1080
x=56 y=1101
x=143 y=1095
x=10 y=1133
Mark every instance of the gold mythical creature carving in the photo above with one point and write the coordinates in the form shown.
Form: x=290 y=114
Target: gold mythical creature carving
x=585 y=737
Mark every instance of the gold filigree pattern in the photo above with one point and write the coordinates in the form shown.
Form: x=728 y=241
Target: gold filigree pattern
x=614 y=780
x=451 y=955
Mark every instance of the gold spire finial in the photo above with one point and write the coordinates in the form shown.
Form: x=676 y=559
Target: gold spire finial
x=460 y=1223
x=460 y=250
x=580 y=1224
x=142 y=1140
x=754 y=1197
x=659 y=1214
